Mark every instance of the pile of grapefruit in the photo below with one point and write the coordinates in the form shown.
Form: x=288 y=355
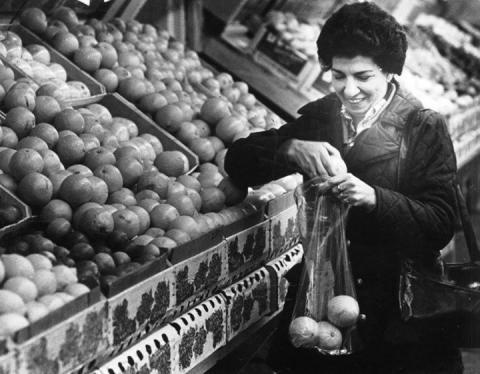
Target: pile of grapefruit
x=328 y=335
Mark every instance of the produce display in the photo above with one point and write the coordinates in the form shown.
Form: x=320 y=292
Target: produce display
x=299 y=35
x=102 y=216
x=442 y=64
x=35 y=61
x=160 y=76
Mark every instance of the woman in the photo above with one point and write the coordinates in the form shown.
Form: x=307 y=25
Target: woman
x=401 y=170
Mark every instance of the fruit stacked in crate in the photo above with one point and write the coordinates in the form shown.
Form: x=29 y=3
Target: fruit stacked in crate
x=88 y=170
x=36 y=62
x=34 y=280
x=160 y=76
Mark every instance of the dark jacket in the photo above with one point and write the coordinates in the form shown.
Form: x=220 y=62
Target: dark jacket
x=413 y=180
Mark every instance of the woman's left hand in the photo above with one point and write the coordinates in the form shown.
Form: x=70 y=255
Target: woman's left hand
x=351 y=190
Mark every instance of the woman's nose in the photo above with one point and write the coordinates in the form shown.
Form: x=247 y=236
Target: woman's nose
x=351 y=88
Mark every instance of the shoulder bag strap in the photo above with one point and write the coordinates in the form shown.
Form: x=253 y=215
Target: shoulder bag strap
x=461 y=206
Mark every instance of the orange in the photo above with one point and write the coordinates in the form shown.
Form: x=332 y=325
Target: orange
x=108 y=78
x=70 y=149
x=33 y=142
x=69 y=119
x=123 y=196
x=169 y=117
x=35 y=19
x=229 y=127
x=126 y=221
x=143 y=216
x=88 y=59
x=46 y=132
x=155 y=181
x=46 y=108
x=179 y=236
x=203 y=127
x=328 y=336
x=131 y=170
x=97 y=222
x=182 y=203
x=343 y=311
x=303 y=332
x=152 y=102
x=25 y=161
x=57 y=179
x=76 y=189
x=65 y=42
x=99 y=156
x=111 y=175
x=56 y=208
x=213 y=199
x=203 y=148
x=21 y=120
x=20 y=94
x=100 y=190
x=133 y=89
x=9 y=138
x=186 y=224
x=189 y=182
x=172 y=163
x=214 y=109
x=187 y=131
x=109 y=55
x=162 y=215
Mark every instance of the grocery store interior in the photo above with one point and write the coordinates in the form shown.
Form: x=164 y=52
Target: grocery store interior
x=125 y=246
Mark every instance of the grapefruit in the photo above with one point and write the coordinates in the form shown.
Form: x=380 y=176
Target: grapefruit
x=214 y=109
x=303 y=332
x=328 y=336
x=172 y=163
x=343 y=310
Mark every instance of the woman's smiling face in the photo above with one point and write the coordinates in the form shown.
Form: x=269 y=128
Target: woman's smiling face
x=359 y=83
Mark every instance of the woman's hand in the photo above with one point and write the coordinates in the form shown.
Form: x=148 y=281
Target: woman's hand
x=352 y=190
x=312 y=158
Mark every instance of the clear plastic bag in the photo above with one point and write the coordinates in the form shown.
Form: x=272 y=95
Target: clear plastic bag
x=326 y=311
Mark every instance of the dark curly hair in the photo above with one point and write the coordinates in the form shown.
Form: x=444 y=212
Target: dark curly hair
x=363 y=29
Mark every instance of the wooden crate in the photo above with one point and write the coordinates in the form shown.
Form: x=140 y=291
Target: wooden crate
x=248 y=300
x=277 y=269
x=66 y=346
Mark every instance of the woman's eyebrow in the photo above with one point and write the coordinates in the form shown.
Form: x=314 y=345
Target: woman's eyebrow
x=356 y=73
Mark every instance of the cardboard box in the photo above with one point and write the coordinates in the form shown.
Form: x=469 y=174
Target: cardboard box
x=155 y=354
x=248 y=300
x=284 y=232
x=69 y=344
x=202 y=331
x=248 y=244
x=277 y=269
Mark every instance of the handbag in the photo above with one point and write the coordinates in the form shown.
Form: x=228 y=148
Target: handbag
x=444 y=303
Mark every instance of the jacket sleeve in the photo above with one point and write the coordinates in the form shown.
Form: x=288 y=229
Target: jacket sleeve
x=256 y=159
x=423 y=215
